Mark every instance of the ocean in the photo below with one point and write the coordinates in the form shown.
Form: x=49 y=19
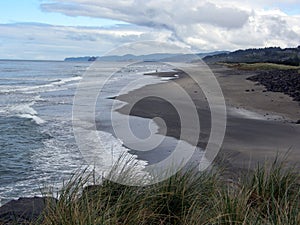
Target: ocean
x=38 y=150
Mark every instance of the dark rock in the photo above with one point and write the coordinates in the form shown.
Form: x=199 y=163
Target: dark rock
x=284 y=81
x=24 y=210
x=92 y=59
x=247 y=90
x=298 y=122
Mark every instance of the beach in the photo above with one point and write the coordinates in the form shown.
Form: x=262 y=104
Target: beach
x=40 y=150
x=260 y=125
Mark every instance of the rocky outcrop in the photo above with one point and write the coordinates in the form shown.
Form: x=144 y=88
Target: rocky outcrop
x=285 y=81
x=24 y=210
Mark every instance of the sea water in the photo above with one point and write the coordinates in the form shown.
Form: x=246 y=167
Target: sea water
x=37 y=145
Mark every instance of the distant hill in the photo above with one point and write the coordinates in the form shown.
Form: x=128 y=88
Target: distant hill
x=130 y=57
x=202 y=55
x=287 y=56
x=158 y=57
x=190 y=57
x=81 y=59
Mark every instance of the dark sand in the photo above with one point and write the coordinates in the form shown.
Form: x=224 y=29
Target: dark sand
x=259 y=125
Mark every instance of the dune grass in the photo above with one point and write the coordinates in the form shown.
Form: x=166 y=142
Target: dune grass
x=260 y=66
x=268 y=195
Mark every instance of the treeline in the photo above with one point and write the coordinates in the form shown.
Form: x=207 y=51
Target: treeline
x=287 y=56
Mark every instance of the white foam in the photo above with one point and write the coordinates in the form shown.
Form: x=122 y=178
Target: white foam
x=108 y=155
x=40 y=88
x=167 y=78
x=35 y=118
x=67 y=80
x=113 y=146
x=38 y=98
x=25 y=111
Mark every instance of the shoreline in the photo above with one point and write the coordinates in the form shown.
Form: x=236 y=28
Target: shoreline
x=249 y=95
x=257 y=130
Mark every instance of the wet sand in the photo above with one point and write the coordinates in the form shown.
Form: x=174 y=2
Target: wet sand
x=260 y=125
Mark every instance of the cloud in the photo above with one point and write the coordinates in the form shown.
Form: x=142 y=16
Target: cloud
x=209 y=13
x=268 y=29
x=200 y=25
x=152 y=13
x=36 y=41
x=204 y=25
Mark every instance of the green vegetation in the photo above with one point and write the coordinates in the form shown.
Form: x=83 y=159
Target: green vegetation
x=260 y=66
x=269 y=195
x=287 y=56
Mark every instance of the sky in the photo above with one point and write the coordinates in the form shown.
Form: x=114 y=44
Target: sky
x=55 y=29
